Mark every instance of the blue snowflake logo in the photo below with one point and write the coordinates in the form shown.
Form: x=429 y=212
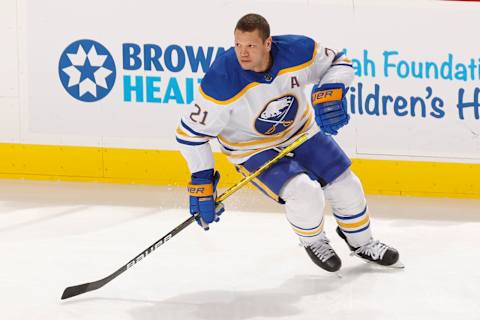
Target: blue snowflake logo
x=87 y=70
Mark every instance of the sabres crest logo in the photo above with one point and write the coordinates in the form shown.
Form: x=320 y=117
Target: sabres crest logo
x=277 y=115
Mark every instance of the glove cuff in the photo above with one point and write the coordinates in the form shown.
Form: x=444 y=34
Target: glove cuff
x=200 y=190
x=204 y=174
x=327 y=92
x=201 y=184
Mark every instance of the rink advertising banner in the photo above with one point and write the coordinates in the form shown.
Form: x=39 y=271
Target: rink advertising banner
x=128 y=74
x=113 y=74
x=106 y=80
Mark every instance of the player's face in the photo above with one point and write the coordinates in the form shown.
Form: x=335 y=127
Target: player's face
x=252 y=52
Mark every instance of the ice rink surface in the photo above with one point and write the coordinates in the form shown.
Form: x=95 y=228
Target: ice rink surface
x=248 y=266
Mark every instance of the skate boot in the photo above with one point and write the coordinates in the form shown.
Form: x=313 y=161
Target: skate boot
x=375 y=251
x=322 y=254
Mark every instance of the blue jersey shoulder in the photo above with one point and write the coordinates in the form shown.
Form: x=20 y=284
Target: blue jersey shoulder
x=291 y=51
x=225 y=78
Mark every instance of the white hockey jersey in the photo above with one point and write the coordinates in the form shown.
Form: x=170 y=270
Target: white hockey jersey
x=247 y=111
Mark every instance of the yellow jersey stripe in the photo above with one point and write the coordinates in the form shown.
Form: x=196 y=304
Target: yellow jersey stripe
x=310 y=233
x=307 y=113
x=244 y=154
x=232 y=99
x=343 y=60
x=360 y=223
x=254 y=84
x=250 y=152
x=182 y=133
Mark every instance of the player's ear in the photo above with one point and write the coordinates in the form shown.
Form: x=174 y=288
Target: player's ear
x=268 y=43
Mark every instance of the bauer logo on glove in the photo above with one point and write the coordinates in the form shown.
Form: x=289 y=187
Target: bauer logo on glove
x=326 y=96
x=202 y=191
x=330 y=105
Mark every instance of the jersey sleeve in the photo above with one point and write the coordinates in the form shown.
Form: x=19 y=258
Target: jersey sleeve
x=202 y=120
x=331 y=66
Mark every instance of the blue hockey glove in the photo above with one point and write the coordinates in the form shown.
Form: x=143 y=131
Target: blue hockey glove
x=203 y=192
x=330 y=107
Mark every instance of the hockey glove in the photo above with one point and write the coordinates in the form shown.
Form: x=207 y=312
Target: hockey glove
x=330 y=107
x=202 y=190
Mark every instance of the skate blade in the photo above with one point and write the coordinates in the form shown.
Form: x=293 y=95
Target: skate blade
x=396 y=265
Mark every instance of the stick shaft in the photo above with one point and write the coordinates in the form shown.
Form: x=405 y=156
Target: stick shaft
x=90 y=286
x=260 y=170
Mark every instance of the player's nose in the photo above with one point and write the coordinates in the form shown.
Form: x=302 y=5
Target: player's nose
x=243 y=52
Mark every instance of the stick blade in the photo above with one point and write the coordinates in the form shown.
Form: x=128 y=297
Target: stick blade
x=82 y=288
x=75 y=291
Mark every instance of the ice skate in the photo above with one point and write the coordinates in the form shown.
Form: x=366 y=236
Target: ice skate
x=375 y=252
x=322 y=254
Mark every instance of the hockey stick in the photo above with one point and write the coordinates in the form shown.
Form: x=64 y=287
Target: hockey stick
x=90 y=286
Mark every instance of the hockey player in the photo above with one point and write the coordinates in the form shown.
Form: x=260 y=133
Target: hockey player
x=252 y=101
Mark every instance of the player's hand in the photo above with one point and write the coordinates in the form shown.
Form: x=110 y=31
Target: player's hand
x=203 y=193
x=330 y=107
